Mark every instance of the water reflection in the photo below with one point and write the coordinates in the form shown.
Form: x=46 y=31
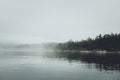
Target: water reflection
x=108 y=62
x=49 y=65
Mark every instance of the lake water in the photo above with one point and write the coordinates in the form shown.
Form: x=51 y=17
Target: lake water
x=38 y=65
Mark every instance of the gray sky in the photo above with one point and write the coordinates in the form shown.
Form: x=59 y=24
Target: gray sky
x=35 y=21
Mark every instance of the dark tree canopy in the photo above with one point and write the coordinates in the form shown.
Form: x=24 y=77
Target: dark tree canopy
x=108 y=42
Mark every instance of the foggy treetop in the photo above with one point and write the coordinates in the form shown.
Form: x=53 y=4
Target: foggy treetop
x=109 y=42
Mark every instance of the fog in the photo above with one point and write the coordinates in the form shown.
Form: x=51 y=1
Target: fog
x=37 y=21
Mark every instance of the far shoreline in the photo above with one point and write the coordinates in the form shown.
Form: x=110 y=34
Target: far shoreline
x=89 y=51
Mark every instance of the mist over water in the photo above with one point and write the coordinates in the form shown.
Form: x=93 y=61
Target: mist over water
x=27 y=25
x=27 y=63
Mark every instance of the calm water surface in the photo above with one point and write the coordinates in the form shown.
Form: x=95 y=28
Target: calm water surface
x=38 y=65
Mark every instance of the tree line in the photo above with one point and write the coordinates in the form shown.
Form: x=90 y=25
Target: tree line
x=108 y=42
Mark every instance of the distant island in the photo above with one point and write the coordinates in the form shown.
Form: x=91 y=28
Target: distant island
x=105 y=43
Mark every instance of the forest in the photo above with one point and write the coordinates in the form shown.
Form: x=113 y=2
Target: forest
x=108 y=42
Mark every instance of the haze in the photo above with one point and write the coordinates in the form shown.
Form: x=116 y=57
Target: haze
x=36 y=21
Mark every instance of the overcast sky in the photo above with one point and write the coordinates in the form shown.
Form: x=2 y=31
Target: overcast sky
x=35 y=21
